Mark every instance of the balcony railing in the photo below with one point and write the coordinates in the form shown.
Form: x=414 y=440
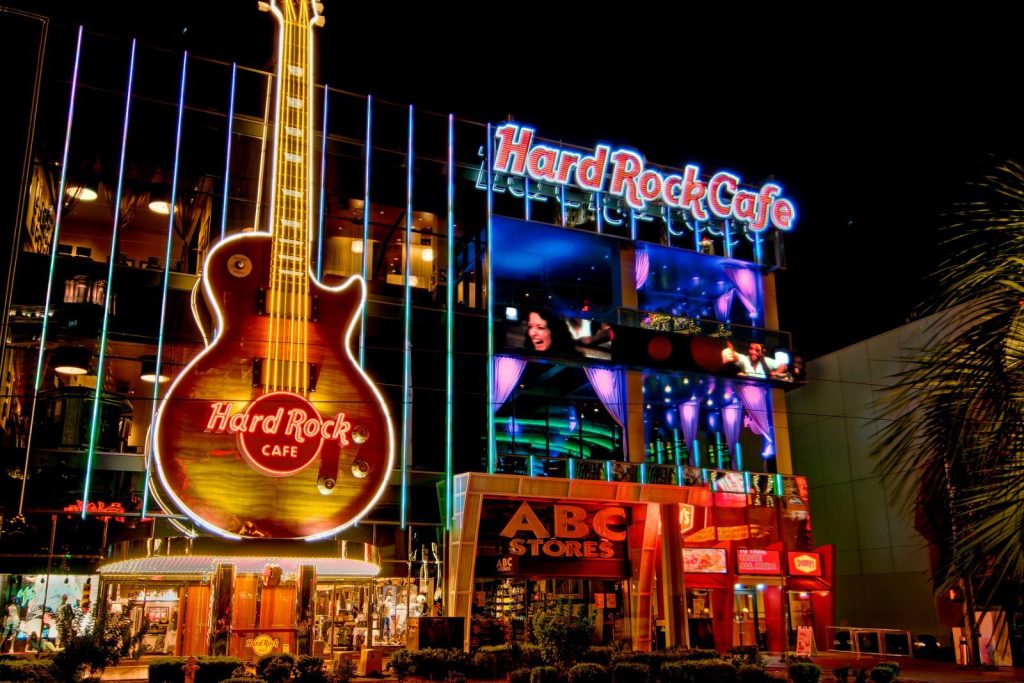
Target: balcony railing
x=725 y=481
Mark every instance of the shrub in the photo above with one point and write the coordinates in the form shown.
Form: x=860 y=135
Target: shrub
x=895 y=666
x=563 y=632
x=519 y=676
x=435 y=663
x=31 y=670
x=211 y=669
x=527 y=656
x=792 y=657
x=752 y=673
x=345 y=671
x=310 y=670
x=598 y=654
x=275 y=668
x=544 y=674
x=804 y=672
x=631 y=672
x=589 y=673
x=503 y=658
x=485 y=665
x=883 y=674
x=697 y=654
x=401 y=664
x=841 y=673
x=746 y=654
x=673 y=672
x=710 y=671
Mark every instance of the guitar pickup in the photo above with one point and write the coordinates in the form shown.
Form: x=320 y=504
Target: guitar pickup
x=304 y=308
x=258 y=365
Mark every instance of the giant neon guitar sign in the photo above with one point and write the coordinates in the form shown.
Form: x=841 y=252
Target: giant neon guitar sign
x=277 y=391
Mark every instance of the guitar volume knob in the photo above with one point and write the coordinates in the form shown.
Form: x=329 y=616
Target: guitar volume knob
x=239 y=265
x=325 y=485
x=360 y=468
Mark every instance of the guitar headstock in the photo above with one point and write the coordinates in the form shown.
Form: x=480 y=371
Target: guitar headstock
x=294 y=11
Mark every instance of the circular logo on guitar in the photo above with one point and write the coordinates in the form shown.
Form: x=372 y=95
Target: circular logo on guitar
x=279 y=433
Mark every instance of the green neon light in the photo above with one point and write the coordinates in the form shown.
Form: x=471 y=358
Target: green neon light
x=101 y=363
x=53 y=268
x=167 y=280
x=449 y=329
x=407 y=318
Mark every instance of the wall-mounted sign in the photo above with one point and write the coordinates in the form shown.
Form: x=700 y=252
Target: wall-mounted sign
x=262 y=644
x=542 y=538
x=704 y=560
x=99 y=507
x=624 y=173
x=757 y=561
x=804 y=564
x=686 y=517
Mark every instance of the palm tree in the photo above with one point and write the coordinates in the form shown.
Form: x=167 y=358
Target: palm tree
x=952 y=442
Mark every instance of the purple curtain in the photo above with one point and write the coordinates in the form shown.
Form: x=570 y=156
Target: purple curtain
x=732 y=420
x=610 y=387
x=689 y=417
x=507 y=371
x=723 y=305
x=757 y=407
x=641 y=267
x=745 y=282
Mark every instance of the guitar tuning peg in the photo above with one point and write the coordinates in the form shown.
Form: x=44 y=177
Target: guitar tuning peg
x=320 y=21
x=319 y=7
x=263 y=6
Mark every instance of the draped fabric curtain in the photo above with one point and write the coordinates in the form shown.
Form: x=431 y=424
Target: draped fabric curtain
x=131 y=201
x=610 y=387
x=723 y=305
x=732 y=420
x=757 y=408
x=190 y=209
x=745 y=282
x=507 y=371
x=689 y=416
x=641 y=267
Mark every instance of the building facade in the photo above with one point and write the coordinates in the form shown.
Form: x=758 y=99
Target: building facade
x=291 y=369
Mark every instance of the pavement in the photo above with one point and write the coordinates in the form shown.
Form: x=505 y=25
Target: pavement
x=913 y=670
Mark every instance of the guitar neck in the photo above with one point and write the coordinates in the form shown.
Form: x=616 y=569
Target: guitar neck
x=291 y=180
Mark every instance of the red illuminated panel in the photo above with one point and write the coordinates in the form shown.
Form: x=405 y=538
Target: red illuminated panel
x=756 y=561
x=804 y=564
x=704 y=560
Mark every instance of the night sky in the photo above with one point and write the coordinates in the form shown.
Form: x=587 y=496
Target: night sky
x=873 y=122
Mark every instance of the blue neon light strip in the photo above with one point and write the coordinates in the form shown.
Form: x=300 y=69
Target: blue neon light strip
x=561 y=207
x=101 y=363
x=323 y=176
x=696 y=453
x=739 y=457
x=366 y=224
x=53 y=267
x=450 y=330
x=526 y=198
x=598 y=211
x=492 y=458
x=167 y=280
x=407 y=313
x=680 y=476
x=632 y=224
x=227 y=159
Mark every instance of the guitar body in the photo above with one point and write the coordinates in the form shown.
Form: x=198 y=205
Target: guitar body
x=248 y=457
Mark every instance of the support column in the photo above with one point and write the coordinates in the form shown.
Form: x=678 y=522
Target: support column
x=643 y=547
x=462 y=553
x=671 y=578
x=636 y=447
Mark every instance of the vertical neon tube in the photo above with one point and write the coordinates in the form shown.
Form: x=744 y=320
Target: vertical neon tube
x=779 y=490
x=450 y=331
x=227 y=159
x=166 y=283
x=101 y=363
x=323 y=176
x=696 y=453
x=746 y=482
x=758 y=255
x=53 y=267
x=608 y=470
x=492 y=460
x=526 y=198
x=727 y=243
x=407 y=318
x=739 y=456
x=598 y=212
x=680 y=476
x=668 y=225
x=632 y=224
x=561 y=208
x=366 y=226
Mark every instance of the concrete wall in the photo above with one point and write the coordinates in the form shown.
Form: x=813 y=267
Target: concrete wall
x=882 y=574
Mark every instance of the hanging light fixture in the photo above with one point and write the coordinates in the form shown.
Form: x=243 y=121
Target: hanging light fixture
x=82 y=192
x=148 y=371
x=71 y=360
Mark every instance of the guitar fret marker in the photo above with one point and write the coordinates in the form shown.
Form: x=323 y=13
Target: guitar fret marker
x=295 y=103
x=290 y=223
x=294 y=132
x=294 y=70
x=287 y=241
x=290 y=193
x=294 y=158
x=289 y=258
x=292 y=272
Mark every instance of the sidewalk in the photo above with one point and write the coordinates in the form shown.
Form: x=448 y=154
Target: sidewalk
x=916 y=670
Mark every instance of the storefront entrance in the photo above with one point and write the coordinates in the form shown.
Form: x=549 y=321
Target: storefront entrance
x=700 y=615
